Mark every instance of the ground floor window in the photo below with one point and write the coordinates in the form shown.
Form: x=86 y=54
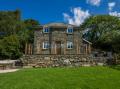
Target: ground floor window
x=69 y=45
x=45 y=45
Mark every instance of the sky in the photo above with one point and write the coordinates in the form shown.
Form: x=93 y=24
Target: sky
x=68 y=11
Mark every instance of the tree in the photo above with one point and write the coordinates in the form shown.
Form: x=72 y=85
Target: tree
x=9 y=22
x=10 y=47
x=100 y=24
x=110 y=40
x=14 y=34
x=26 y=35
x=100 y=30
x=30 y=23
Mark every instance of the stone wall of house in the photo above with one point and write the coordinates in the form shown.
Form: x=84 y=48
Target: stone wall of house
x=62 y=60
x=57 y=34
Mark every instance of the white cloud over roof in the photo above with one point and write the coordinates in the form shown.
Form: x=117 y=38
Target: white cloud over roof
x=78 y=17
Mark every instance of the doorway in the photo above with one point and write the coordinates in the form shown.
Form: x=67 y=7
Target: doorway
x=58 y=47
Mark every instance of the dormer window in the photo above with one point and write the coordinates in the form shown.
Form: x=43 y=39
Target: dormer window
x=70 y=30
x=46 y=30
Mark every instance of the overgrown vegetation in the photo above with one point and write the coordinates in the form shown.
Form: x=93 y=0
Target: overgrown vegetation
x=103 y=31
x=14 y=34
x=10 y=47
x=62 y=78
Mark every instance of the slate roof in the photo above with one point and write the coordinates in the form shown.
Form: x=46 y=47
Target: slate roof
x=57 y=24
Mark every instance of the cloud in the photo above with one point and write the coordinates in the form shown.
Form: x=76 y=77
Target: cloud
x=78 y=17
x=94 y=2
x=111 y=5
x=115 y=13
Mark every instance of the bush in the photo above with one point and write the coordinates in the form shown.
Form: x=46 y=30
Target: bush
x=10 y=47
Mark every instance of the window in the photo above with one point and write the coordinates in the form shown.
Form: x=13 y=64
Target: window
x=69 y=45
x=45 y=45
x=46 y=30
x=69 y=30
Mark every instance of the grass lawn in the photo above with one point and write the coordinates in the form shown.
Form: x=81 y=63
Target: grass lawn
x=62 y=78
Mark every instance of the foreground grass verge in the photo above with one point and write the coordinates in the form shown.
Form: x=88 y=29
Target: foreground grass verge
x=62 y=78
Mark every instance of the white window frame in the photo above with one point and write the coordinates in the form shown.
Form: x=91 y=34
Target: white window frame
x=44 y=29
x=46 y=45
x=70 y=28
x=69 y=45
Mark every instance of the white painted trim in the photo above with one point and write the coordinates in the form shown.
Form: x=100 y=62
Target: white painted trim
x=69 y=43
x=44 y=43
x=44 y=29
x=69 y=27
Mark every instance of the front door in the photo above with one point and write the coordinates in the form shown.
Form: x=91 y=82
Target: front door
x=58 y=47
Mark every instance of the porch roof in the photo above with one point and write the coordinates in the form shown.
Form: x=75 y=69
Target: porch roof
x=86 y=41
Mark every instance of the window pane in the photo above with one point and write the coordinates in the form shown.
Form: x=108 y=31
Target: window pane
x=69 y=45
x=70 y=30
x=46 y=30
x=45 y=45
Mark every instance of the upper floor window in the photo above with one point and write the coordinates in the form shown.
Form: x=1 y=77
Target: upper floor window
x=70 y=30
x=46 y=30
x=69 y=45
x=45 y=45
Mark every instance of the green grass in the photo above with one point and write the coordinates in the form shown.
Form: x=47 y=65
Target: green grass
x=62 y=78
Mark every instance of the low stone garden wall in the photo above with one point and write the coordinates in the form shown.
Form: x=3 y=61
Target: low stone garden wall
x=62 y=60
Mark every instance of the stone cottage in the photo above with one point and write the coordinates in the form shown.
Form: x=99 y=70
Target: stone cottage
x=60 y=39
x=58 y=45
